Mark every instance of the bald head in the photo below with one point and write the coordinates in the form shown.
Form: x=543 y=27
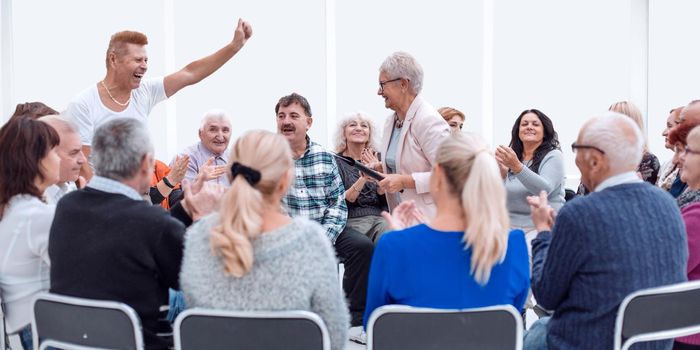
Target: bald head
x=691 y=112
x=69 y=149
x=618 y=136
x=60 y=124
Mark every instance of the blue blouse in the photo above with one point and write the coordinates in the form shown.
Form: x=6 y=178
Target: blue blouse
x=423 y=267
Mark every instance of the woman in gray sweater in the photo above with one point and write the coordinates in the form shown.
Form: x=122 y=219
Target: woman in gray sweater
x=251 y=256
x=532 y=163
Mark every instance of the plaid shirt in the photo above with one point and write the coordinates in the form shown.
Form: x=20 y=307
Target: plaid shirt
x=318 y=192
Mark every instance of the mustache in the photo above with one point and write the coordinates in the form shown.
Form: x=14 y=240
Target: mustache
x=288 y=127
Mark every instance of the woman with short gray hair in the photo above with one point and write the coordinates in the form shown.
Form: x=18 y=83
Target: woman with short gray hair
x=412 y=133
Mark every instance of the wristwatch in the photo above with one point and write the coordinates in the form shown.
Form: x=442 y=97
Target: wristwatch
x=167 y=183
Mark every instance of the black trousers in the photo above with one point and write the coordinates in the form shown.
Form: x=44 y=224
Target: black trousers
x=354 y=250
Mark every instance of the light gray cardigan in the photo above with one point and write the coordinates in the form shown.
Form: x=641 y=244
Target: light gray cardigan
x=294 y=268
x=528 y=183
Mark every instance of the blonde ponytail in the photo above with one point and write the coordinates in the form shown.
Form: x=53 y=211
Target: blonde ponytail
x=240 y=219
x=472 y=172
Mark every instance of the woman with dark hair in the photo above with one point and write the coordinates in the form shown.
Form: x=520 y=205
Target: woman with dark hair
x=532 y=163
x=26 y=171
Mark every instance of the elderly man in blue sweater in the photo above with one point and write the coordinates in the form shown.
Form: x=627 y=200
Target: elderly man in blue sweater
x=625 y=236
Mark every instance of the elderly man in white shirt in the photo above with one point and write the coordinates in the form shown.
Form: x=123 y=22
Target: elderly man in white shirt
x=209 y=156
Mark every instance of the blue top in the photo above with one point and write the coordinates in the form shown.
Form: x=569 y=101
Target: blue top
x=603 y=247
x=423 y=267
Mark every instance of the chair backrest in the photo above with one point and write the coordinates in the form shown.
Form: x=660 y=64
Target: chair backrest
x=218 y=330
x=658 y=313
x=404 y=327
x=69 y=322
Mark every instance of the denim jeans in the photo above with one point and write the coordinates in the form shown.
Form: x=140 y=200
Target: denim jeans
x=25 y=337
x=177 y=305
x=536 y=336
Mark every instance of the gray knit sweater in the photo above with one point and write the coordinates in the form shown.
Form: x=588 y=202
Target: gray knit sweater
x=294 y=268
x=550 y=178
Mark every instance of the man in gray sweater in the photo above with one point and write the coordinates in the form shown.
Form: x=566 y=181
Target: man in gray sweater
x=625 y=236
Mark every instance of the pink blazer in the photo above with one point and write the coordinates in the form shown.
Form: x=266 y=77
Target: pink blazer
x=422 y=132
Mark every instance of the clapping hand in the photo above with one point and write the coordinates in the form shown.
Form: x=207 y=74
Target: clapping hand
x=201 y=203
x=506 y=157
x=406 y=214
x=370 y=159
x=542 y=214
x=177 y=173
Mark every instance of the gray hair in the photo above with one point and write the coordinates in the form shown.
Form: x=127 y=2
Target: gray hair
x=341 y=141
x=619 y=137
x=214 y=114
x=118 y=148
x=63 y=126
x=403 y=65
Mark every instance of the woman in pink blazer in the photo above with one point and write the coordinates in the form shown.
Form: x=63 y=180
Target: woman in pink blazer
x=412 y=133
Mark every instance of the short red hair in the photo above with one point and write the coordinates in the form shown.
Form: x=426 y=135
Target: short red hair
x=680 y=133
x=120 y=39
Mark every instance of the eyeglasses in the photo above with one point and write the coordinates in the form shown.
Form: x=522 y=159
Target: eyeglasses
x=381 y=83
x=575 y=147
x=687 y=150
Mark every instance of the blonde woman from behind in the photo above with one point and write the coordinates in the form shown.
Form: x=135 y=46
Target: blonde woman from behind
x=250 y=256
x=466 y=256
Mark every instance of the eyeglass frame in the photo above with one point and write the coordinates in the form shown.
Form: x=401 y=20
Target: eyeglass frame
x=381 y=83
x=575 y=147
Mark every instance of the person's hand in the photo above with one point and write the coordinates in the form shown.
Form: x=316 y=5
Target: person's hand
x=406 y=214
x=371 y=160
x=243 y=32
x=80 y=182
x=502 y=168
x=177 y=173
x=200 y=204
x=542 y=214
x=209 y=171
x=392 y=183
x=507 y=157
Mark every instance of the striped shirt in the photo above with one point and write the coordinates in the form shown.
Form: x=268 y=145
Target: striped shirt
x=318 y=192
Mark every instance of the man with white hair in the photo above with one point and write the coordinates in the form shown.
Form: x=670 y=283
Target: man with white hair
x=209 y=155
x=625 y=236
x=107 y=243
x=71 y=154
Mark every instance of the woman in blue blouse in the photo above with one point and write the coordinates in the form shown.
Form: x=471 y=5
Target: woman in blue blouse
x=466 y=256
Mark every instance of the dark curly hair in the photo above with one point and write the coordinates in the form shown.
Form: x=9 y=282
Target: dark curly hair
x=550 y=141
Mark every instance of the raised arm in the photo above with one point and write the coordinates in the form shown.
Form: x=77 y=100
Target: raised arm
x=202 y=68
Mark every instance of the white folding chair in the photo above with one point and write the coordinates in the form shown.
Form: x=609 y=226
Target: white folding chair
x=407 y=328
x=658 y=313
x=197 y=329
x=77 y=323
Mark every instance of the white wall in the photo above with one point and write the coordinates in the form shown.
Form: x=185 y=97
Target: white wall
x=490 y=59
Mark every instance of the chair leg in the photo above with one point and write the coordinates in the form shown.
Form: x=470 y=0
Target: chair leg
x=341 y=273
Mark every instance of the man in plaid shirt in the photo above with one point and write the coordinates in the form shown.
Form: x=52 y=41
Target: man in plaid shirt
x=318 y=194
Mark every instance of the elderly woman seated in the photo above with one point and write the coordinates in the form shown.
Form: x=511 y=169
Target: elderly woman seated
x=690 y=174
x=365 y=200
